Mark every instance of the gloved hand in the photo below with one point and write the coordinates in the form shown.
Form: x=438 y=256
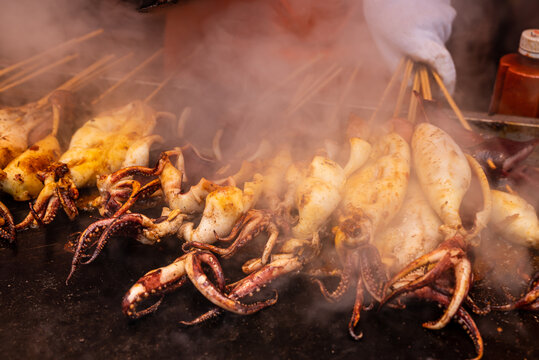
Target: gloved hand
x=417 y=28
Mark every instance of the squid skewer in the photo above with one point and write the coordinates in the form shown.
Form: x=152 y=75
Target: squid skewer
x=444 y=173
x=108 y=142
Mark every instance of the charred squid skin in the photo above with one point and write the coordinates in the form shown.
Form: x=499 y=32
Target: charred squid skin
x=342 y=287
x=448 y=255
x=193 y=268
x=90 y=235
x=67 y=196
x=461 y=316
x=152 y=284
x=210 y=314
x=250 y=284
x=356 y=312
x=60 y=192
x=142 y=170
x=530 y=300
x=245 y=230
x=41 y=207
x=138 y=192
x=7 y=224
x=350 y=266
x=50 y=211
x=116 y=227
x=372 y=271
x=500 y=164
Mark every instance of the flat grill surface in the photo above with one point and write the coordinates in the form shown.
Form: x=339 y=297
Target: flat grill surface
x=42 y=316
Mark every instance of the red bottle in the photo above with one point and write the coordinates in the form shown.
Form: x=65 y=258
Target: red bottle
x=516 y=91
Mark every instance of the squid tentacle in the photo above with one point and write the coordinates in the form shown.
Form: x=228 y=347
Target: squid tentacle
x=372 y=271
x=443 y=264
x=151 y=284
x=66 y=197
x=530 y=300
x=356 y=313
x=89 y=235
x=245 y=230
x=137 y=193
x=7 y=229
x=463 y=274
x=142 y=170
x=461 y=316
x=210 y=314
x=193 y=267
x=342 y=287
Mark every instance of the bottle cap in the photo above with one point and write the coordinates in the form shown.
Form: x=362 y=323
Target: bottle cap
x=529 y=43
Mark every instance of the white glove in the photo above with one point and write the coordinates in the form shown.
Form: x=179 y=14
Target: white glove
x=416 y=28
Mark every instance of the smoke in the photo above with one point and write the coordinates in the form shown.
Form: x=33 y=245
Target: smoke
x=231 y=58
x=243 y=52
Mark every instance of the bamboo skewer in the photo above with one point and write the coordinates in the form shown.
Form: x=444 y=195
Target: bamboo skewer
x=309 y=83
x=450 y=100
x=344 y=94
x=425 y=83
x=159 y=87
x=184 y=116
x=85 y=74
x=386 y=92
x=290 y=77
x=47 y=51
x=412 y=110
x=23 y=72
x=305 y=84
x=314 y=89
x=127 y=76
x=39 y=72
x=171 y=76
x=216 y=144
x=79 y=78
x=404 y=84
x=101 y=70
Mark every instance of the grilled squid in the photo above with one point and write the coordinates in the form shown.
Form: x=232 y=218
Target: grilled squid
x=444 y=173
x=221 y=207
x=101 y=146
x=316 y=195
x=415 y=232
x=516 y=220
x=372 y=197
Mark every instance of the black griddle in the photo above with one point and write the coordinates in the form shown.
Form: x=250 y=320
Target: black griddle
x=43 y=317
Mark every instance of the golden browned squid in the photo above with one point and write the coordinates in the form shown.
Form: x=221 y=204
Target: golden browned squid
x=16 y=123
x=317 y=197
x=314 y=194
x=15 y=126
x=101 y=146
x=21 y=176
x=160 y=281
x=444 y=173
x=268 y=217
x=372 y=197
x=221 y=206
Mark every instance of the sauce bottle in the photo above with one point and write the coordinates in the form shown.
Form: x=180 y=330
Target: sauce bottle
x=516 y=91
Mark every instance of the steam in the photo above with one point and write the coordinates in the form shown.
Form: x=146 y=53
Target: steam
x=232 y=62
x=246 y=49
